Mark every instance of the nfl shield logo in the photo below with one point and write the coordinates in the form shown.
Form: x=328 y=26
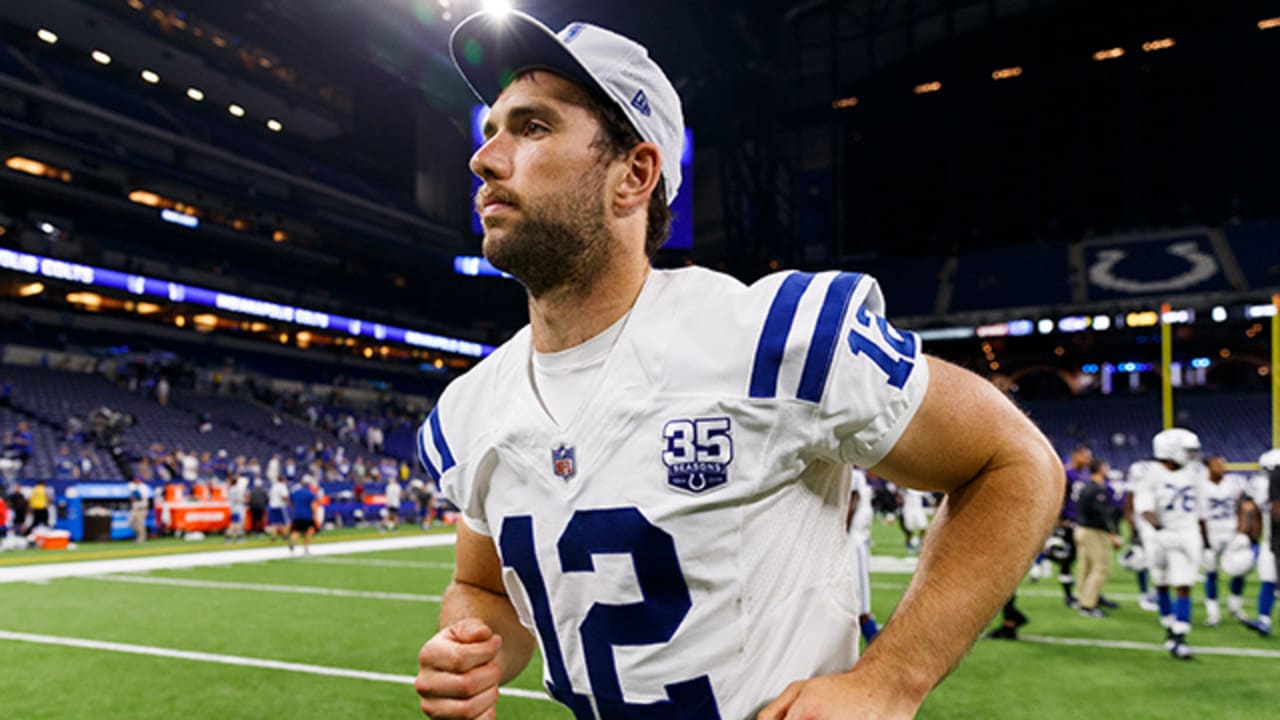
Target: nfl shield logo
x=562 y=462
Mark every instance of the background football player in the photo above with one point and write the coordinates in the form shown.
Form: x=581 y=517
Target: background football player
x=1077 y=467
x=860 y=518
x=1168 y=498
x=1261 y=497
x=1221 y=496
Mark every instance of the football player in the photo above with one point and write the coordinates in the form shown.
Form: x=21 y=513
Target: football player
x=1262 y=498
x=1221 y=496
x=860 y=517
x=1168 y=499
x=1065 y=553
x=915 y=519
x=1135 y=558
x=651 y=474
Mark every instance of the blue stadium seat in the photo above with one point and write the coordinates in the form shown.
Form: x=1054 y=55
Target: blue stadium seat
x=1011 y=277
x=1257 y=249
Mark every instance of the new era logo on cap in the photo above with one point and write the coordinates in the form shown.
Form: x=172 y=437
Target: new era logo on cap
x=641 y=103
x=572 y=32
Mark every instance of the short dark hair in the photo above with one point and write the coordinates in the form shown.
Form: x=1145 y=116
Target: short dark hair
x=616 y=138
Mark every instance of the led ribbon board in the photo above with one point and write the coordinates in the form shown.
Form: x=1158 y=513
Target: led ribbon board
x=180 y=293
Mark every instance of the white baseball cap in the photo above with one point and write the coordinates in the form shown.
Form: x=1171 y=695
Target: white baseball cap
x=491 y=49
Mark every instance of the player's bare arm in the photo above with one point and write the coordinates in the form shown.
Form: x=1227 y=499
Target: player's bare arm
x=1004 y=484
x=1250 y=520
x=481 y=643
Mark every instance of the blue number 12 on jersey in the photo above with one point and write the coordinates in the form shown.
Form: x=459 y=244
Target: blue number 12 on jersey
x=651 y=621
x=863 y=341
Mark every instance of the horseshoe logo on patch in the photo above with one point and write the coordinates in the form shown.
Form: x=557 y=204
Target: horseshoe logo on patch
x=1202 y=266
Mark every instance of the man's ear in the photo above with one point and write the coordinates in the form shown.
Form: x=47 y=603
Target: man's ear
x=640 y=177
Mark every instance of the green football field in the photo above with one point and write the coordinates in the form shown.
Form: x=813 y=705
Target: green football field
x=337 y=637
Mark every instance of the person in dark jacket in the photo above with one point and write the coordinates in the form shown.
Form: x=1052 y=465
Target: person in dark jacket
x=1096 y=537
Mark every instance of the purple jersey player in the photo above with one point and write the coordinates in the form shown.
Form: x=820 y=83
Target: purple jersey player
x=1077 y=479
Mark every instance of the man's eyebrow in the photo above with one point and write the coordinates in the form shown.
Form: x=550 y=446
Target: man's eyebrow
x=520 y=112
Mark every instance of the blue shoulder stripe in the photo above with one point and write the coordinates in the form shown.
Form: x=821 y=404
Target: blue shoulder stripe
x=423 y=457
x=773 y=339
x=437 y=435
x=826 y=333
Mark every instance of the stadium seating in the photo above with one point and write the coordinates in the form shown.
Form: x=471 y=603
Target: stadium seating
x=1119 y=429
x=1257 y=249
x=1022 y=276
x=910 y=284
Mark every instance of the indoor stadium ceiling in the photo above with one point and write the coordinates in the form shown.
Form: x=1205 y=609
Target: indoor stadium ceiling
x=718 y=53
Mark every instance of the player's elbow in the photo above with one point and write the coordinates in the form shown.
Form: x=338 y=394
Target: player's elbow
x=1051 y=479
x=1036 y=468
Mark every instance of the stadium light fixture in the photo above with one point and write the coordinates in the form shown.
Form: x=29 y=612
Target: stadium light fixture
x=1007 y=73
x=87 y=299
x=498 y=7
x=195 y=93
x=235 y=110
x=846 y=102
x=929 y=87
x=100 y=57
x=1219 y=314
x=31 y=289
x=51 y=37
x=1156 y=45
x=179 y=218
x=25 y=165
x=1253 y=312
x=136 y=4
x=274 y=125
x=146 y=197
x=1108 y=54
x=150 y=77
x=1269 y=23
x=1147 y=318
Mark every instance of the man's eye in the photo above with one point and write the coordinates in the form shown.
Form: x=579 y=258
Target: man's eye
x=533 y=127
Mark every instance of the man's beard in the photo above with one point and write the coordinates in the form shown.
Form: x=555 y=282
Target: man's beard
x=557 y=241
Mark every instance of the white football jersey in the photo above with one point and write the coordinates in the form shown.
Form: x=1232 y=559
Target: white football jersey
x=278 y=496
x=914 y=501
x=678 y=546
x=1258 y=488
x=1173 y=495
x=237 y=492
x=1222 y=504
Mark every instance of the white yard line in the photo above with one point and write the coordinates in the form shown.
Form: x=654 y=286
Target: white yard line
x=237 y=660
x=1022 y=592
x=28 y=573
x=261 y=587
x=414 y=564
x=893 y=565
x=1149 y=647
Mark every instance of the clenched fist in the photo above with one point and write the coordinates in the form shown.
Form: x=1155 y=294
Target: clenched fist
x=458 y=672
